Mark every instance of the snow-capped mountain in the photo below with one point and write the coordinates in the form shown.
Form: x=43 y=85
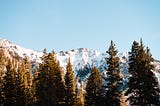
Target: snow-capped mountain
x=82 y=58
x=79 y=57
x=10 y=47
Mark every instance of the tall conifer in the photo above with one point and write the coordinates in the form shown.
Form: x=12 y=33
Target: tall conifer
x=2 y=71
x=10 y=90
x=21 y=98
x=50 y=86
x=143 y=85
x=70 y=85
x=133 y=70
x=94 y=89
x=34 y=83
x=45 y=82
x=28 y=81
x=59 y=85
x=147 y=83
x=113 y=79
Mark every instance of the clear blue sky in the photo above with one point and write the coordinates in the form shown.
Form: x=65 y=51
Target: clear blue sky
x=69 y=24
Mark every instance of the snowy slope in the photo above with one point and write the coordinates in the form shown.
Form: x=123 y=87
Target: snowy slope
x=22 y=52
x=82 y=58
x=79 y=57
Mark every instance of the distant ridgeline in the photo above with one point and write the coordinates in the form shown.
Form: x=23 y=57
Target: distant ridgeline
x=78 y=77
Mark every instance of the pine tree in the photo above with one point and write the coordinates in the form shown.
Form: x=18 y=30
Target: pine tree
x=34 y=83
x=153 y=91
x=45 y=82
x=28 y=82
x=20 y=86
x=133 y=68
x=59 y=86
x=16 y=88
x=70 y=85
x=10 y=90
x=50 y=86
x=94 y=89
x=146 y=89
x=2 y=71
x=148 y=83
x=113 y=79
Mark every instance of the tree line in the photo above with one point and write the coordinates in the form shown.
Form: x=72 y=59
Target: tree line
x=50 y=85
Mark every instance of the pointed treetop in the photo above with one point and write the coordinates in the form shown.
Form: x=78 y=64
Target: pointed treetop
x=135 y=42
x=53 y=52
x=112 y=49
x=69 y=60
x=45 y=51
x=141 y=43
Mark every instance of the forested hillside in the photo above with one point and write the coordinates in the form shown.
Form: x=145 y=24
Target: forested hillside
x=80 y=77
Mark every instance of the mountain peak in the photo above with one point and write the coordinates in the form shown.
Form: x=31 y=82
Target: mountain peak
x=81 y=58
x=8 y=46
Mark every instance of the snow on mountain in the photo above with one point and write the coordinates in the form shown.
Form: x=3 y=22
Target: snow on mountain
x=79 y=57
x=82 y=58
x=22 y=52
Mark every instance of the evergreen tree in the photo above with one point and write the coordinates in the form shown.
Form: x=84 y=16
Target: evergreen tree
x=16 y=87
x=34 y=83
x=10 y=90
x=151 y=86
x=20 y=86
x=94 y=89
x=113 y=79
x=145 y=91
x=59 y=88
x=1 y=88
x=148 y=83
x=70 y=85
x=45 y=82
x=2 y=71
x=28 y=82
x=133 y=68
x=50 y=86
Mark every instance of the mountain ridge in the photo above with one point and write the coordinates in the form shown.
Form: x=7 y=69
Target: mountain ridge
x=81 y=58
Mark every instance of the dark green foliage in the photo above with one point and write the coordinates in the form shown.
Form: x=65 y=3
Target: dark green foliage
x=113 y=79
x=94 y=89
x=34 y=83
x=21 y=86
x=59 y=88
x=1 y=88
x=46 y=86
x=16 y=88
x=70 y=86
x=50 y=86
x=45 y=82
x=143 y=85
x=28 y=82
x=133 y=68
x=2 y=67
x=10 y=90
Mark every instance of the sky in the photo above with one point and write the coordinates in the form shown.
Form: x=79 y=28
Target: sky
x=68 y=24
